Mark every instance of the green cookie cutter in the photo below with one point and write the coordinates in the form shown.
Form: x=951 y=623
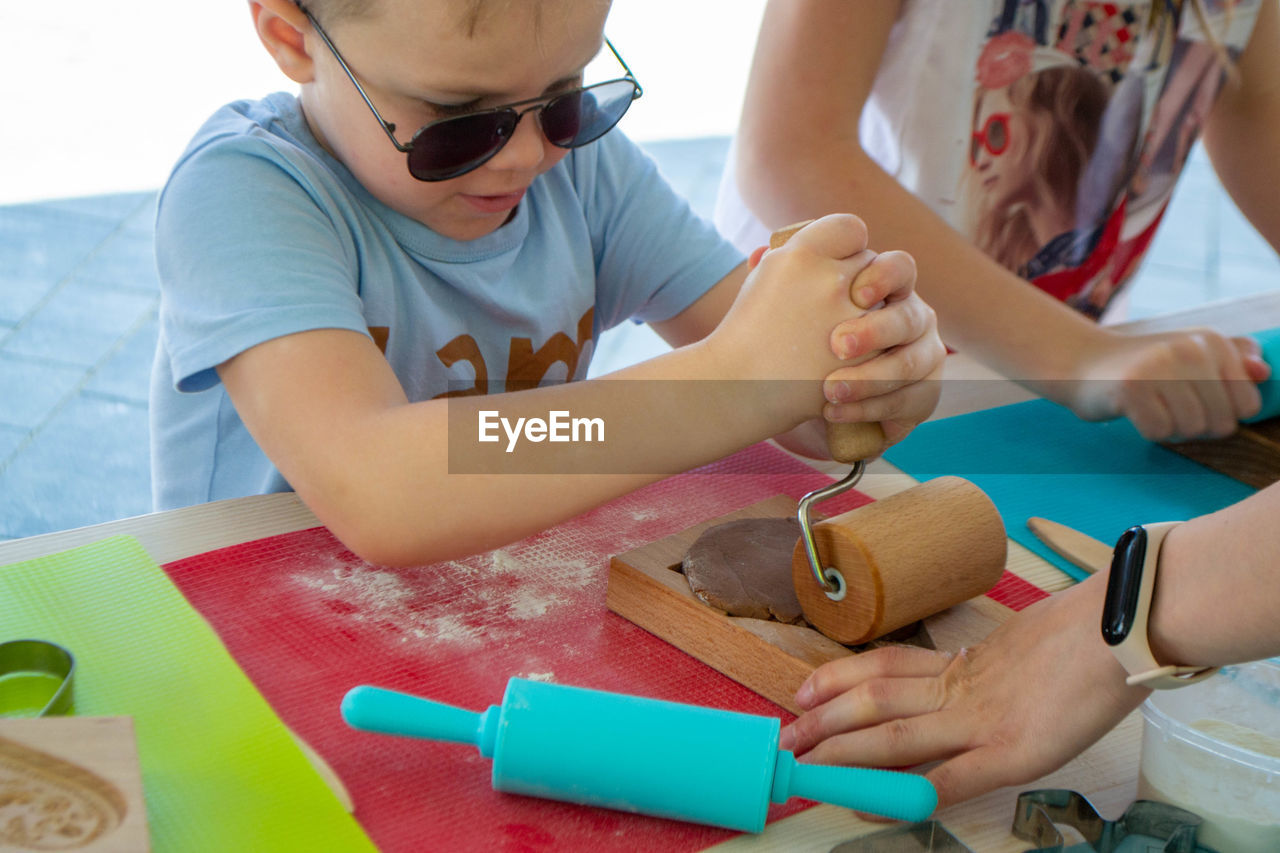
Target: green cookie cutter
x=30 y=670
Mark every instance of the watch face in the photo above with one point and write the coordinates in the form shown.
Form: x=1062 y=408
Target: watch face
x=1123 y=584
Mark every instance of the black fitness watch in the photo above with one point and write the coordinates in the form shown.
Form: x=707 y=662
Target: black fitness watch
x=1128 y=603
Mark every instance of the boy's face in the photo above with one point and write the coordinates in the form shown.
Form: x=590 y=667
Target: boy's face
x=417 y=63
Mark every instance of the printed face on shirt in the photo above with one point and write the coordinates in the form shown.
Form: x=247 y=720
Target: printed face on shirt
x=998 y=146
x=421 y=62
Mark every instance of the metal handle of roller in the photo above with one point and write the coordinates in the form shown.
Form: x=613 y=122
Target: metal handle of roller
x=827 y=577
x=847 y=442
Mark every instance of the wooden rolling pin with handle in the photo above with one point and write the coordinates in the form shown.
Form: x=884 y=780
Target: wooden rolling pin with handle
x=853 y=443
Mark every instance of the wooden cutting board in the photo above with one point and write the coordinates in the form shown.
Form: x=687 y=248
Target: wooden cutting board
x=71 y=783
x=647 y=587
x=1251 y=455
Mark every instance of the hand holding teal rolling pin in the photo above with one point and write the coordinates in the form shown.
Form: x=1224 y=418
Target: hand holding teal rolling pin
x=666 y=759
x=1269 y=389
x=1173 y=386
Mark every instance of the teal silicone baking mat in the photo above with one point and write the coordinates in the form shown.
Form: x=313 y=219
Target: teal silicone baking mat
x=1038 y=459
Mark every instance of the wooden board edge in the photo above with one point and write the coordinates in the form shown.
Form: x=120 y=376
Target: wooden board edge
x=770 y=658
x=706 y=634
x=1251 y=455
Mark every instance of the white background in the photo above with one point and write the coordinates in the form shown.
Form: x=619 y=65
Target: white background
x=101 y=96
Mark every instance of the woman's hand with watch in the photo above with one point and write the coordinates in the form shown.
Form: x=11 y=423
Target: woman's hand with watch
x=1045 y=685
x=1039 y=690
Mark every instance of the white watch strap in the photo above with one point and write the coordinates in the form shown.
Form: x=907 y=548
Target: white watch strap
x=1134 y=652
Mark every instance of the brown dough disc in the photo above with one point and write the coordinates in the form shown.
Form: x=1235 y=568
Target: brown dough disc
x=744 y=568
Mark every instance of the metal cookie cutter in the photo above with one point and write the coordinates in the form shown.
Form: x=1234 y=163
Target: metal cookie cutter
x=828 y=577
x=925 y=837
x=1037 y=819
x=40 y=658
x=1144 y=821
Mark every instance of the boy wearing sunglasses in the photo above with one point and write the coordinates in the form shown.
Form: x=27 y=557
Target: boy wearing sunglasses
x=435 y=231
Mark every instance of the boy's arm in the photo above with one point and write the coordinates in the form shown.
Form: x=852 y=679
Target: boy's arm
x=815 y=63
x=327 y=410
x=1245 y=121
x=701 y=318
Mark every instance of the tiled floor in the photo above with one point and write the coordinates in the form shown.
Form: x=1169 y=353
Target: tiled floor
x=78 y=298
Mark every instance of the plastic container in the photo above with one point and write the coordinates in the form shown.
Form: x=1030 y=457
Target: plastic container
x=1214 y=749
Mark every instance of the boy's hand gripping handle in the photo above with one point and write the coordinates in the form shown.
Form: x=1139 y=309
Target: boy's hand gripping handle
x=847 y=442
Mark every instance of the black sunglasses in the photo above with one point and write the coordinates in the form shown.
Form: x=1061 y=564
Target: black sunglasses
x=453 y=146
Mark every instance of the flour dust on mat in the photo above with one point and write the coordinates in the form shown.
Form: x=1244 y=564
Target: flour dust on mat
x=458 y=603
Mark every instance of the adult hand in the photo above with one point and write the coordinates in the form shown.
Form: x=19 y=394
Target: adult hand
x=1188 y=384
x=1020 y=704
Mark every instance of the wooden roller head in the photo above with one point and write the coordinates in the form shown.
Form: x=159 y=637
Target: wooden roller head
x=903 y=558
x=847 y=442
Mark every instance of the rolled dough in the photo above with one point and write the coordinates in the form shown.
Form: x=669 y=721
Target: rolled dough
x=744 y=568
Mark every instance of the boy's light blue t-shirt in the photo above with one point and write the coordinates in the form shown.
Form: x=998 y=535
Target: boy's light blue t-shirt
x=261 y=233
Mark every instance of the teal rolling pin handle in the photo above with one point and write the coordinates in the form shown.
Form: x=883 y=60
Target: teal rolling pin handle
x=636 y=754
x=1269 y=341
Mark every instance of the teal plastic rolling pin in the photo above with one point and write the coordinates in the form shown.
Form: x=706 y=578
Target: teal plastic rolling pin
x=635 y=754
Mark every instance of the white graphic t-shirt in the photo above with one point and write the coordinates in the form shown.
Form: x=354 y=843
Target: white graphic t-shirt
x=1049 y=132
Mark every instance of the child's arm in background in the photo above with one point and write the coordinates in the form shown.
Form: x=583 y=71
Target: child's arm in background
x=328 y=411
x=1245 y=120
x=815 y=63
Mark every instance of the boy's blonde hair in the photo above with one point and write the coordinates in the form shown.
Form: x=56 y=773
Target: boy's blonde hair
x=470 y=13
x=337 y=10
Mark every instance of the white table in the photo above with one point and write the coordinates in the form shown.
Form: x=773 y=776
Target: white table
x=1106 y=773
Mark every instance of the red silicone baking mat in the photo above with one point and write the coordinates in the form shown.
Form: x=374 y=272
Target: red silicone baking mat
x=307 y=620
